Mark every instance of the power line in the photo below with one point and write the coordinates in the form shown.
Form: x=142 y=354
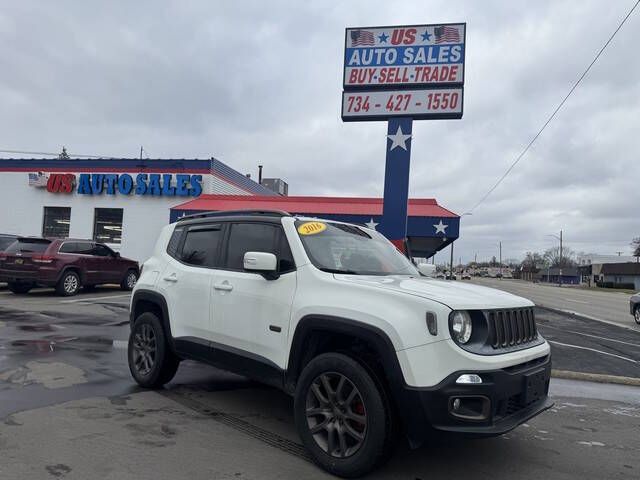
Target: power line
x=22 y=152
x=575 y=85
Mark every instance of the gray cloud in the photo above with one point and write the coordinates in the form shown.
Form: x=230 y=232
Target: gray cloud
x=259 y=82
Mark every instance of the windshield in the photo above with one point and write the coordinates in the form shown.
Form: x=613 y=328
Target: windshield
x=338 y=248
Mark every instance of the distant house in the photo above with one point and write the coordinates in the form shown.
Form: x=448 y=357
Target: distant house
x=617 y=275
x=570 y=275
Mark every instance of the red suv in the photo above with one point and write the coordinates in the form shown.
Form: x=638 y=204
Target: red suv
x=65 y=264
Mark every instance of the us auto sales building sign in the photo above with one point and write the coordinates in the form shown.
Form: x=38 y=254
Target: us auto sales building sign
x=415 y=71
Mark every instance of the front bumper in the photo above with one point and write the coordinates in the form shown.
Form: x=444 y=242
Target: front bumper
x=505 y=399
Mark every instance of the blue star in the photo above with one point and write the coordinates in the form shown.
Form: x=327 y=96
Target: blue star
x=426 y=35
x=383 y=38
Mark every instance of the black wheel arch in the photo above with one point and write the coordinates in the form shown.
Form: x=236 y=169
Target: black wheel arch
x=150 y=301
x=303 y=347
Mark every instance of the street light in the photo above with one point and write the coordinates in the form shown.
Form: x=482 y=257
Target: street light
x=560 y=257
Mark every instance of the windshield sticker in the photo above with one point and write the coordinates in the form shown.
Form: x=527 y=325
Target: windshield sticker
x=311 y=228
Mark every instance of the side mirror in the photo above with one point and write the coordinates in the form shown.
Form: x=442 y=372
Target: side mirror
x=117 y=254
x=261 y=262
x=427 y=269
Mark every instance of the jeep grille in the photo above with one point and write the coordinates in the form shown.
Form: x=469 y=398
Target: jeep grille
x=508 y=328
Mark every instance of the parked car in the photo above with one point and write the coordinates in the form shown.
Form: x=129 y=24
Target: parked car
x=634 y=306
x=66 y=264
x=466 y=276
x=6 y=240
x=335 y=316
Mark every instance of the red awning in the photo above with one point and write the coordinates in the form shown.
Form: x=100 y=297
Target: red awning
x=418 y=207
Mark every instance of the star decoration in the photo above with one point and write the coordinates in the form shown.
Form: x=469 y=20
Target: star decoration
x=440 y=228
x=426 y=36
x=383 y=38
x=399 y=139
x=371 y=224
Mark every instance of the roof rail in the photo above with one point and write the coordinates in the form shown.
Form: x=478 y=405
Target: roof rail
x=227 y=213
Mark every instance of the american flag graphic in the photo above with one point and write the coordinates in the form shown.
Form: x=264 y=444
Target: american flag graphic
x=38 y=179
x=361 y=37
x=446 y=34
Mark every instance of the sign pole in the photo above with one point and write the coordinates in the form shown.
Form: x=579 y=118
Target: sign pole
x=396 y=181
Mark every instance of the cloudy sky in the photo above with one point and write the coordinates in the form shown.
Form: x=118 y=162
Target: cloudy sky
x=260 y=82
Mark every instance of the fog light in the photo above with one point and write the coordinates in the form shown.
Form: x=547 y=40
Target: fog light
x=469 y=378
x=456 y=404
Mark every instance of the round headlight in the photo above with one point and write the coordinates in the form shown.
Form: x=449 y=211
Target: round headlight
x=461 y=327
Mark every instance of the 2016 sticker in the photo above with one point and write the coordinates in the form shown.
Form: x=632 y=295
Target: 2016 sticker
x=311 y=228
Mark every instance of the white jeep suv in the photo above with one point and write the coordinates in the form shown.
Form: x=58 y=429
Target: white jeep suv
x=334 y=315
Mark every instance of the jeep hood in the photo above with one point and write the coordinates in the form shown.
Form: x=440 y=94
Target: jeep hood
x=454 y=294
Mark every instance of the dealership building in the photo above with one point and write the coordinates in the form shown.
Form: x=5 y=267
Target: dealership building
x=125 y=202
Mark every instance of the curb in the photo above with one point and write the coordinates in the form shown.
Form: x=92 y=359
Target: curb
x=595 y=377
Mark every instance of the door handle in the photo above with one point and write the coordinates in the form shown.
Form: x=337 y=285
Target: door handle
x=170 y=278
x=226 y=286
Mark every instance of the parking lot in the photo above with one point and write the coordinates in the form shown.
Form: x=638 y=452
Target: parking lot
x=69 y=409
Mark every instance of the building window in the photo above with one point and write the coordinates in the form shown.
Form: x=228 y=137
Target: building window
x=107 y=225
x=56 y=222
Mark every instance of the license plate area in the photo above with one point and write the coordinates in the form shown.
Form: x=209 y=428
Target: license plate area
x=534 y=386
x=18 y=261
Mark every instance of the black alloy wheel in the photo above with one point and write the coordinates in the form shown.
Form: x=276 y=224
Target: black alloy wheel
x=342 y=415
x=144 y=349
x=151 y=361
x=336 y=416
x=636 y=315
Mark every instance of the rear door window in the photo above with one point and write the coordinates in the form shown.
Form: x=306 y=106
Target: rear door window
x=68 y=247
x=100 y=251
x=201 y=246
x=84 y=248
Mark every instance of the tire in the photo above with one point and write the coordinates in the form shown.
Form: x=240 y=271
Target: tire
x=19 y=288
x=129 y=280
x=636 y=315
x=346 y=433
x=147 y=340
x=69 y=284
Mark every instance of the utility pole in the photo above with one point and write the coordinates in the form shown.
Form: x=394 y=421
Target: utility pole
x=500 y=259
x=560 y=271
x=451 y=263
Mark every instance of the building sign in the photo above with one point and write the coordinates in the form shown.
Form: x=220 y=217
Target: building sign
x=419 y=55
x=419 y=104
x=395 y=71
x=155 y=184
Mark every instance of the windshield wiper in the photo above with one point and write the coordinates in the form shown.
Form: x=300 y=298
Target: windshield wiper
x=338 y=270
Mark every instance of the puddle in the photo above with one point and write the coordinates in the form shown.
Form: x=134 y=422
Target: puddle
x=53 y=343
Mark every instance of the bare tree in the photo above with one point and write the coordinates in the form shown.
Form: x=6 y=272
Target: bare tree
x=533 y=261
x=552 y=256
x=635 y=244
x=63 y=155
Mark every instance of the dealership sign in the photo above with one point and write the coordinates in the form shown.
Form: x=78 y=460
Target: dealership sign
x=424 y=104
x=415 y=71
x=166 y=184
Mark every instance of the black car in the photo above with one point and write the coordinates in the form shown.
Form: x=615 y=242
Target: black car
x=6 y=240
x=634 y=307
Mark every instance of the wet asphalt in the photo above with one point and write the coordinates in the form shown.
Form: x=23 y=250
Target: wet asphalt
x=68 y=406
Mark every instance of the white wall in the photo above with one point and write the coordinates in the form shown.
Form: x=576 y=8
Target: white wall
x=22 y=210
